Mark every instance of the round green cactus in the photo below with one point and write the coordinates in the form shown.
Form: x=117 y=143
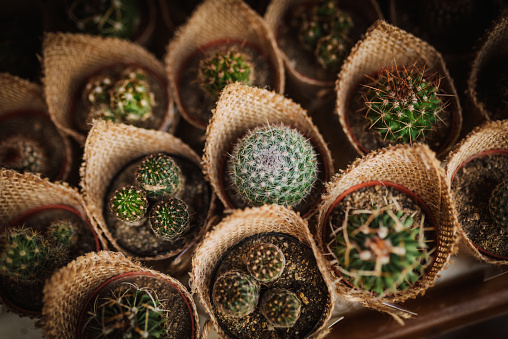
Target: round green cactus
x=170 y=218
x=280 y=307
x=235 y=294
x=23 y=154
x=63 y=232
x=128 y=204
x=273 y=165
x=265 y=262
x=331 y=51
x=159 y=176
x=403 y=105
x=498 y=204
x=97 y=90
x=132 y=100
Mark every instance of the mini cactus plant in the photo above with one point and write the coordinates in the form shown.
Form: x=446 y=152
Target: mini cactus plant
x=22 y=153
x=498 y=204
x=403 y=105
x=223 y=68
x=280 y=307
x=331 y=51
x=169 y=218
x=159 y=176
x=132 y=100
x=63 y=232
x=129 y=204
x=273 y=165
x=97 y=90
x=265 y=262
x=235 y=294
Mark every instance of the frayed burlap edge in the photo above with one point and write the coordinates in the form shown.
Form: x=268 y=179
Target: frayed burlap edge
x=68 y=59
x=384 y=45
x=111 y=146
x=416 y=168
x=489 y=135
x=68 y=289
x=215 y=20
x=240 y=225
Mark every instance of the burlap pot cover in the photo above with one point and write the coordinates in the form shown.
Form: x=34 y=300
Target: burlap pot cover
x=417 y=169
x=69 y=59
x=238 y=226
x=383 y=46
x=241 y=108
x=20 y=95
x=108 y=148
x=220 y=20
x=492 y=135
x=68 y=289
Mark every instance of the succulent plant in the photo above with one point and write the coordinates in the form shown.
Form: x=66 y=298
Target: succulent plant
x=128 y=203
x=63 y=232
x=159 y=176
x=235 y=294
x=97 y=90
x=273 y=165
x=132 y=100
x=170 y=218
x=23 y=154
x=331 y=51
x=498 y=204
x=280 y=307
x=223 y=68
x=265 y=262
x=381 y=250
x=403 y=105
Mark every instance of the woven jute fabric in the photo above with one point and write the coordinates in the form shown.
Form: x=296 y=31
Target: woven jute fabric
x=240 y=225
x=241 y=108
x=417 y=169
x=108 y=148
x=491 y=135
x=220 y=20
x=69 y=59
x=66 y=292
x=385 y=45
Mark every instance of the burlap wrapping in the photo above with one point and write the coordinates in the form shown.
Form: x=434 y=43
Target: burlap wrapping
x=240 y=225
x=241 y=108
x=68 y=289
x=68 y=59
x=215 y=20
x=383 y=46
x=490 y=135
x=108 y=148
x=17 y=95
x=417 y=169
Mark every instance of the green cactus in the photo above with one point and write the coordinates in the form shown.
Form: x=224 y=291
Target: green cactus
x=97 y=90
x=265 y=262
x=235 y=294
x=132 y=100
x=170 y=218
x=331 y=51
x=280 y=307
x=160 y=176
x=223 y=68
x=63 y=232
x=22 y=153
x=381 y=250
x=403 y=105
x=273 y=165
x=128 y=204
x=498 y=204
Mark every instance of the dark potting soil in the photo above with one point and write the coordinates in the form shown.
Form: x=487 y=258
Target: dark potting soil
x=492 y=88
x=471 y=188
x=301 y=276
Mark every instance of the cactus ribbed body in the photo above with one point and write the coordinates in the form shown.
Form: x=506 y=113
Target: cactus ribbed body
x=170 y=218
x=159 y=175
x=498 y=204
x=23 y=154
x=235 y=294
x=132 y=100
x=63 y=232
x=265 y=262
x=280 y=307
x=128 y=203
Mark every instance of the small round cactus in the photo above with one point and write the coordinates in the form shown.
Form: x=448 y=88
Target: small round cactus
x=235 y=294
x=97 y=90
x=159 y=176
x=170 y=219
x=128 y=204
x=331 y=51
x=23 y=154
x=63 y=232
x=132 y=100
x=273 y=165
x=498 y=204
x=280 y=307
x=265 y=262
x=403 y=105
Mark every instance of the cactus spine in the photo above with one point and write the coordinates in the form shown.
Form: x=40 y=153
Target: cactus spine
x=169 y=219
x=265 y=262
x=159 y=175
x=280 y=307
x=128 y=204
x=498 y=204
x=23 y=154
x=235 y=294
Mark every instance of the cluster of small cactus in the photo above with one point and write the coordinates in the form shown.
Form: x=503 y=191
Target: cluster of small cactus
x=22 y=153
x=280 y=307
x=265 y=262
x=380 y=250
x=273 y=165
x=498 y=204
x=403 y=105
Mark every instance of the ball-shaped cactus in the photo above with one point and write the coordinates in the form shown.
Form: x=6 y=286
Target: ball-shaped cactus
x=22 y=153
x=403 y=105
x=235 y=294
x=280 y=307
x=128 y=203
x=331 y=51
x=273 y=165
x=132 y=100
x=97 y=90
x=265 y=262
x=63 y=232
x=159 y=175
x=498 y=204
x=170 y=218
